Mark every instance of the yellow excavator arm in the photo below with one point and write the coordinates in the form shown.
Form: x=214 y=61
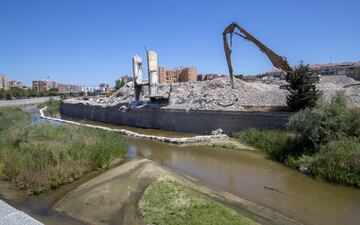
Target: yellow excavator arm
x=277 y=61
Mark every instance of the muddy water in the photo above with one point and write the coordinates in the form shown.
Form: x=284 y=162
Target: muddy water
x=247 y=174
x=251 y=175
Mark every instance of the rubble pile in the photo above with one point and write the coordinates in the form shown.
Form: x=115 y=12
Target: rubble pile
x=217 y=94
x=329 y=85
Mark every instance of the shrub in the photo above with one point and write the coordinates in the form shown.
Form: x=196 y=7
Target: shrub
x=328 y=121
x=306 y=124
x=339 y=162
x=323 y=141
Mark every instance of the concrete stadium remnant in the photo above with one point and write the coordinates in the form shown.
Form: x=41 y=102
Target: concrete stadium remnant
x=152 y=64
x=278 y=61
x=152 y=72
x=137 y=75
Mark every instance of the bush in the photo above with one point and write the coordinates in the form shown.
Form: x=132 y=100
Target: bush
x=323 y=141
x=326 y=122
x=339 y=162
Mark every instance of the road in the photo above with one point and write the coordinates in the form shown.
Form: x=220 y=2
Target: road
x=23 y=102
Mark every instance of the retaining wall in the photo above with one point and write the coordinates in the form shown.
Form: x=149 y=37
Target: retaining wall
x=201 y=122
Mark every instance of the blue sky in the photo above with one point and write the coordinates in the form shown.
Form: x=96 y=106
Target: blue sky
x=91 y=41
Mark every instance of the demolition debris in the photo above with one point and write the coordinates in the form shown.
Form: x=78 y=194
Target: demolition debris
x=217 y=94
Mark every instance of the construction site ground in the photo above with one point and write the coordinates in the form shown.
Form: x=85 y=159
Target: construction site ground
x=217 y=94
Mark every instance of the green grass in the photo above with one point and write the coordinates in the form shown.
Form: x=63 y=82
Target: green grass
x=39 y=157
x=267 y=140
x=53 y=107
x=170 y=203
x=279 y=144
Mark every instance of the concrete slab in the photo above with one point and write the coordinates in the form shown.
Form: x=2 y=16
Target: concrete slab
x=11 y=216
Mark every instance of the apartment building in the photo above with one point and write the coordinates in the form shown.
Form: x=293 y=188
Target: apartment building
x=14 y=84
x=354 y=72
x=68 y=89
x=176 y=75
x=104 y=87
x=89 y=89
x=43 y=85
x=3 y=82
x=351 y=69
x=188 y=74
x=126 y=79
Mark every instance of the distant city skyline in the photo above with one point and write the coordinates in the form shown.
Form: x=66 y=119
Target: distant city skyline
x=91 y=42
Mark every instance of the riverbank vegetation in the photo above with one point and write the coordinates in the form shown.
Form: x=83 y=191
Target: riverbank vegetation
x=23 y=93
x=18 y=93
x=323 y=141
x=53 y=107
x=168 y=202
x=39 y=157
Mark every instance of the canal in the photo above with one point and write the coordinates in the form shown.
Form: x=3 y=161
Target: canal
x=250 y=175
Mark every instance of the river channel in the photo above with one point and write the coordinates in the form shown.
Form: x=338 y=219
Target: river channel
x=253 y=176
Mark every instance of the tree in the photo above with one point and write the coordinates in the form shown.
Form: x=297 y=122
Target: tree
x=9 y=95
x=17 y=92
x=2 y=93
x=31 y=92
x=119 y=84
x=53 y=92
x=302 y=88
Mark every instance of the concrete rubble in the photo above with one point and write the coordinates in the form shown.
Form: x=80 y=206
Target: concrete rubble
x=217 y=94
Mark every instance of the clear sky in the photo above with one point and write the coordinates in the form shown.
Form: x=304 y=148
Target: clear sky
x=91 y=41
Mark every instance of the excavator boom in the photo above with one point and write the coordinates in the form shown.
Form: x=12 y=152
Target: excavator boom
x=277 y=61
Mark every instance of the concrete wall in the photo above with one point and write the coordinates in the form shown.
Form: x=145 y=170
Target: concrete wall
x=201 y=122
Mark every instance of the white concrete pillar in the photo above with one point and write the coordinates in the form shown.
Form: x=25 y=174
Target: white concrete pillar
x=152 y=72
x=137 y=75
x=137 y=69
